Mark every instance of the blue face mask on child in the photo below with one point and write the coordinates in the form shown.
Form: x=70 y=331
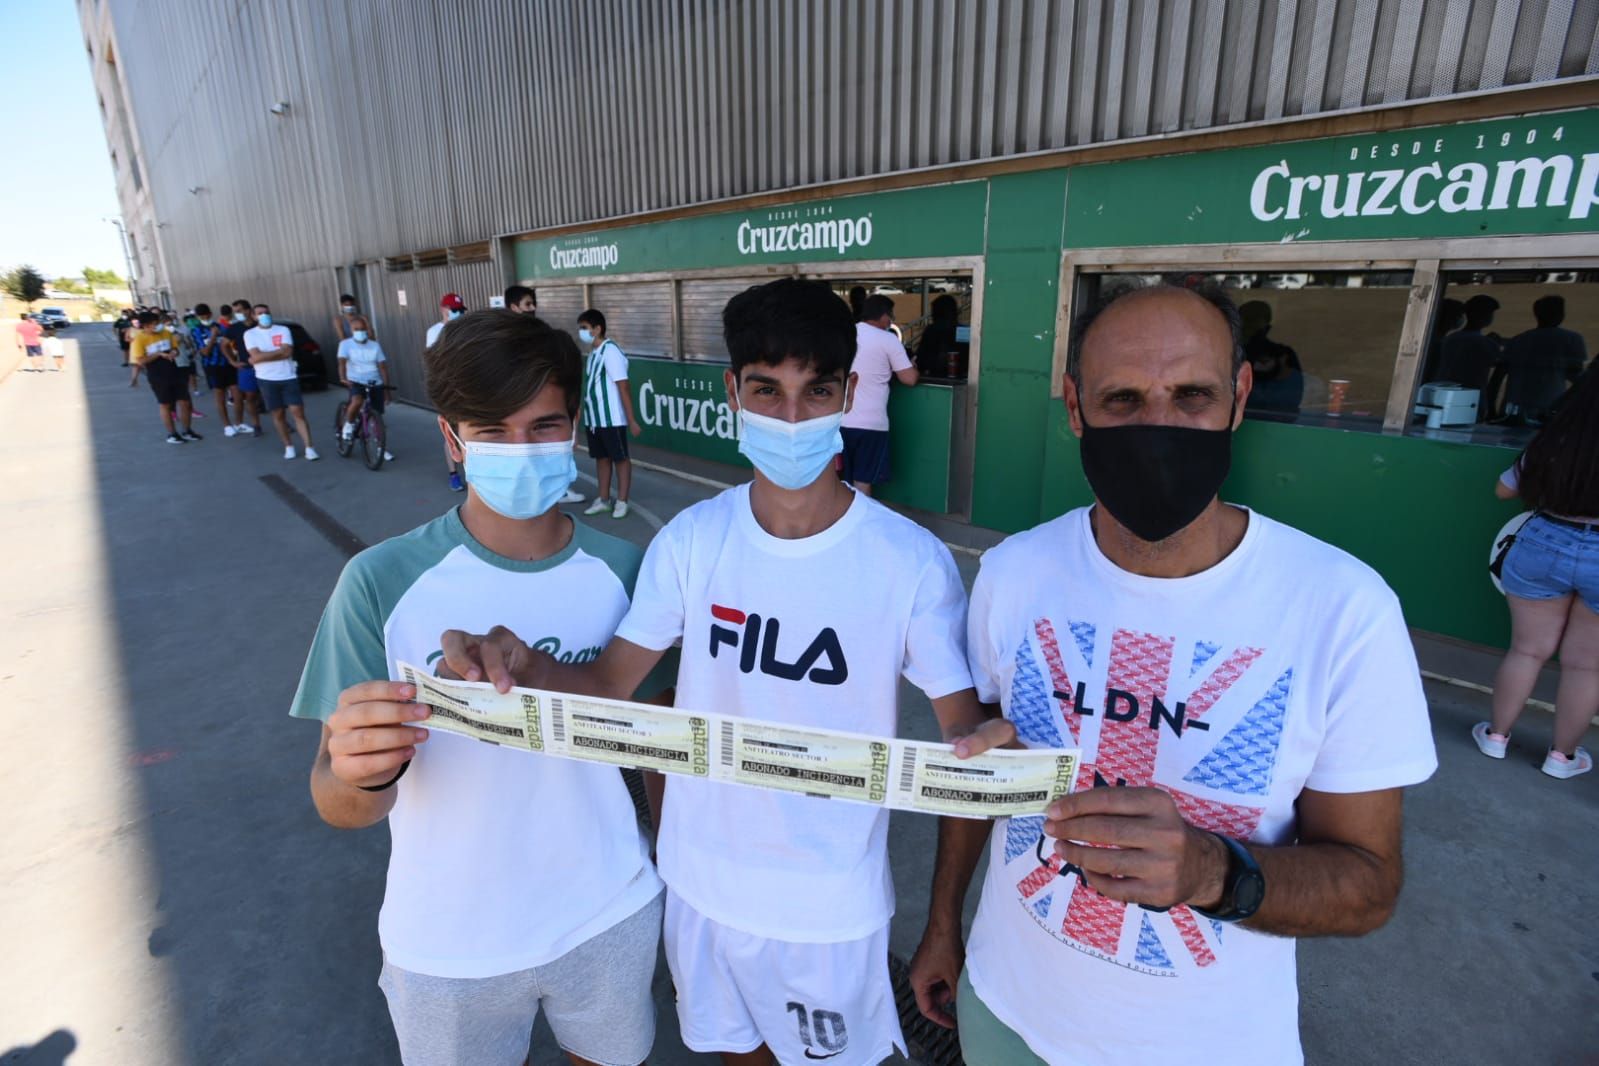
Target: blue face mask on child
x=790 y=454
x=585 y=336
x=359 y=335
x=519 y=480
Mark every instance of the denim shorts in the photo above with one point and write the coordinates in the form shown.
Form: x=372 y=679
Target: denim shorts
x=1550 y=560
x=276 y=395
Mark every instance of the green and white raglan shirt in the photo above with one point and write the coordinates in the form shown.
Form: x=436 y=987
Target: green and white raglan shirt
x=602 y=404
x=502 y=860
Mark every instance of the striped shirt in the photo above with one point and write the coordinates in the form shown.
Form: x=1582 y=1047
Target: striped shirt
x=602 y=405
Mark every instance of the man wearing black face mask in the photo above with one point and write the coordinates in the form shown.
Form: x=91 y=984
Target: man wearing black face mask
x=1249 y=708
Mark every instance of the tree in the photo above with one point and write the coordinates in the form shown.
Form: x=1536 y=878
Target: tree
x=70 y=285
x=23 y=284
x=103 y=279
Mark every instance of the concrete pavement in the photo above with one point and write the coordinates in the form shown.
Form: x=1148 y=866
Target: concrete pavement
x=170 y=897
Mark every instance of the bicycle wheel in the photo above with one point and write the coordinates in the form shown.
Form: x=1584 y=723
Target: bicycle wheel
x=373 y=438
x=344 y=445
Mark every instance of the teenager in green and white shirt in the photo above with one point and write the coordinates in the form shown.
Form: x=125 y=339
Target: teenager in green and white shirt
x=607 y=413
x=515 y=882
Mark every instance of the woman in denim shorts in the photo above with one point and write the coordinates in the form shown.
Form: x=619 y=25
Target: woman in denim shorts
x=1551 y=581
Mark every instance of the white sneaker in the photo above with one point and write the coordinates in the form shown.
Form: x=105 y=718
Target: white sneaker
x=573 y=496
x=1487 y=742
x=620 y=510
x=248 y=431
x=228 y=431
x=288 y=453
x=599 y=504
x=388 y=457
x=311 y=455
x=1557 y=764
x=348 y=431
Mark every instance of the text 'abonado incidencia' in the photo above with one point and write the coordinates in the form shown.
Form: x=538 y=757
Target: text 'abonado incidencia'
x=1278 y=193
x=836 y=235
x=603 y=256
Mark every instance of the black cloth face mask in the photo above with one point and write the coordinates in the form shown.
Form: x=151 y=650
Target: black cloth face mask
x=1155 y=480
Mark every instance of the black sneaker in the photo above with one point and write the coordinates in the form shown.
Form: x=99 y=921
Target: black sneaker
x=173 y=438
x=190 y=434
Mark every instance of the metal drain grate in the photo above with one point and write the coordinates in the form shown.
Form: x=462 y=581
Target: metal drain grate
x=928 y=1044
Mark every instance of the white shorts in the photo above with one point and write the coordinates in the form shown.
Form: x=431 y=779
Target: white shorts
x=805 y=1002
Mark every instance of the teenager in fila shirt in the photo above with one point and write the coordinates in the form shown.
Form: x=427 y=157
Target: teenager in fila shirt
x=1249 y=709
x=515 y=884
x=778 y=904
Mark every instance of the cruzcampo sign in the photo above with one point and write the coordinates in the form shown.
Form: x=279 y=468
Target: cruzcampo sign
x=936 y=220
x=1537 y=174
x=682 y=407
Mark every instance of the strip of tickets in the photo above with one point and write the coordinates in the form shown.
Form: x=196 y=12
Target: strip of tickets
x=906 y=775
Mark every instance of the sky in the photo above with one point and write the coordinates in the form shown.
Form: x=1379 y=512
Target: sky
x=53 y=196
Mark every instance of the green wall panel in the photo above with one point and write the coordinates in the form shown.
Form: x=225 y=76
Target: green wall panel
x=1020 y=293
x=1421 y=513
x=919 y=422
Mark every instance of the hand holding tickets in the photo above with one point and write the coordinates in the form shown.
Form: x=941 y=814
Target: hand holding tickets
x=882 y=772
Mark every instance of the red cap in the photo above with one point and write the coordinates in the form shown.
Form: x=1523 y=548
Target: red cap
x=453 y=302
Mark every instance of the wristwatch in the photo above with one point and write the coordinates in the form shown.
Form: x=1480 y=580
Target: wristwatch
x=1244 y=887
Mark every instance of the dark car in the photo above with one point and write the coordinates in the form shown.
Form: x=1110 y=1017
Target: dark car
x=308 y=362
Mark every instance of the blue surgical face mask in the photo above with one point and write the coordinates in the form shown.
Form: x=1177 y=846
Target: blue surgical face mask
x=240 y=318
x=585 y=336
x=454 y=315
x=265 y=320
x=359 y=335
x=790 y=454
x=519 y=480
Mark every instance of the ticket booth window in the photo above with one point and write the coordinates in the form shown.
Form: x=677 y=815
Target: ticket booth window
x=932 y=314
x=1322 y=344
x=1503 y=350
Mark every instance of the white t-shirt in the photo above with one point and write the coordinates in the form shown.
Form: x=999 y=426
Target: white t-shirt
x=602 y=402
x=433 y=333
x=810 y=632
x=501 y=860
x=1290 y=667
x=878 y=353
x=270 y=339
x=362 y=367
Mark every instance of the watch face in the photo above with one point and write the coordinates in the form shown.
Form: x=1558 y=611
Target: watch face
x=1248 y=893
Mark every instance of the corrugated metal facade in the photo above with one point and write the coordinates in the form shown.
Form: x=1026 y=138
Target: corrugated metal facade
x=411 y=126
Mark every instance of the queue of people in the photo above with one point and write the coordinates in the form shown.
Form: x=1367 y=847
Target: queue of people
x=248 y=363
x=1246 y=734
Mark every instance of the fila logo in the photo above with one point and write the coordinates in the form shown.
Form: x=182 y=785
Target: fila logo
x=757 y=640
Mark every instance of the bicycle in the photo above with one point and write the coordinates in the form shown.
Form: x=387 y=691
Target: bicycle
x=368 y=429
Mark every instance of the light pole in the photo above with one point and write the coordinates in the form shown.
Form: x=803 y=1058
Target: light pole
x=127 y=258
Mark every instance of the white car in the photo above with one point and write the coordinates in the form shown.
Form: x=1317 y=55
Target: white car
x=52 y=318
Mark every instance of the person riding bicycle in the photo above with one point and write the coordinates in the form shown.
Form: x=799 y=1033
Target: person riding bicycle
x=364 y=369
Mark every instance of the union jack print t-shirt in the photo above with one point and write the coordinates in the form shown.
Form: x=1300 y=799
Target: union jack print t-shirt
x=1285 y=667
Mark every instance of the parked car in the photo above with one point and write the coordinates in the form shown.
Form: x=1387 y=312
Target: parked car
x=308 y=362
x=52 y=318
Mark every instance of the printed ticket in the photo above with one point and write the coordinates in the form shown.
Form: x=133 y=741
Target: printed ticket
x=877 y=771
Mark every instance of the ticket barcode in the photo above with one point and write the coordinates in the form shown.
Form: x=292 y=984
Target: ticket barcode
x=558 y=717
x=907 y=771
x=727 y=743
